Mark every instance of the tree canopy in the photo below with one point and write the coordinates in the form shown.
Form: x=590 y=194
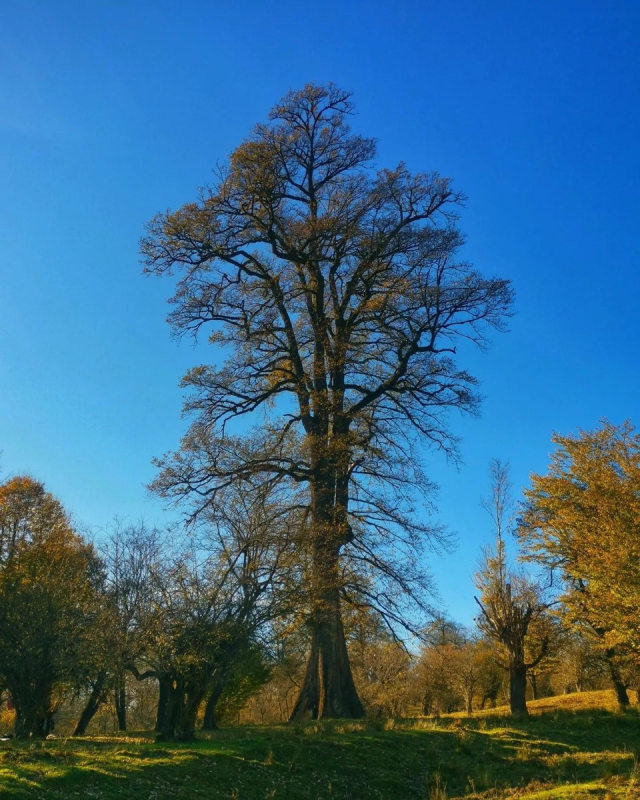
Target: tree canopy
x=49 y=579
x=581 y=520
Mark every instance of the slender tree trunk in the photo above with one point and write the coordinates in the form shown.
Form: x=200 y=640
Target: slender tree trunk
x=518 y=691
x=93 y=704
x=209 y=720
x=616 y=679
x=121 y=702
x=533 y=680
x=469 y=692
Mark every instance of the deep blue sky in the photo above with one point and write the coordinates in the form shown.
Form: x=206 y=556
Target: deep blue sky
x=112 y=111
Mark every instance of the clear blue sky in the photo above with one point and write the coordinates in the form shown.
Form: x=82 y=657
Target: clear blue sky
x=111 y=111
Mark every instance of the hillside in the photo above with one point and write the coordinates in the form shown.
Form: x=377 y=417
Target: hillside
x=577 y=746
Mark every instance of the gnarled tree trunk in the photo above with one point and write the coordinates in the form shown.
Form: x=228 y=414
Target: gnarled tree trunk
x=182 y=699
x=164 y=685
x=209 y=719
x=33 y=714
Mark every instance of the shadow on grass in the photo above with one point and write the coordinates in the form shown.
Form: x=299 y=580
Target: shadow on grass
x=411 y=759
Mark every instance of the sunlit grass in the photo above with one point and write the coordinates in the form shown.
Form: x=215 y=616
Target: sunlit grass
x=578 y=746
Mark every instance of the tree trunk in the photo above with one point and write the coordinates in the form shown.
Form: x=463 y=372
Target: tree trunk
x=533 y=680
x=469 y=699
x=518 y=691
x=328 y=690
x=93 y=704
x=32 y=718
x=164 y=686
x=209 y=720
x=308 y=702
x=178 y=722
x=616 y=679
x=121 y=702
x=338 y=695
x=621 y=693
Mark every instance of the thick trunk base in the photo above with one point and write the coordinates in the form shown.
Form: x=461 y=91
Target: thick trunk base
x=328 y=690
x=176 y=720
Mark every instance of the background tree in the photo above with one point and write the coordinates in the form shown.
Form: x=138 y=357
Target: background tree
x=132 y=556
x=581 y=664
x=451 y=670
x=581 y=521
x=336 y=297
x=381 y=664
x=512 y=611
x=491 y=674
x=49 y=582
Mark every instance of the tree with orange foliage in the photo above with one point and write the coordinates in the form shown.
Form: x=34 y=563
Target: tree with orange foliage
x=582 y=520
x=48 y=580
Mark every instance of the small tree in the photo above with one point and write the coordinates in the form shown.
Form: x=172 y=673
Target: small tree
x=440 y=673
x=511 y=606
x=132 y=558
x=49 y=579
x=381 y=664
x=206 y=603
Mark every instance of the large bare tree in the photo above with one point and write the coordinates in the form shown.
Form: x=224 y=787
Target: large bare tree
x=336 y=302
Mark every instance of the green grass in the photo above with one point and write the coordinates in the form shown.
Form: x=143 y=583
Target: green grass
x=576 y=751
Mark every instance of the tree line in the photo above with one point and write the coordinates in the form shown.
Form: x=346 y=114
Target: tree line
x=216 y=616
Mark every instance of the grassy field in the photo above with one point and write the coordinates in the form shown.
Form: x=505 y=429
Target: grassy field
x=578 y=746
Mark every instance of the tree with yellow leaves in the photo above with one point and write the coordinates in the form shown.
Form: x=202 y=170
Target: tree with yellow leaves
x=582 y=521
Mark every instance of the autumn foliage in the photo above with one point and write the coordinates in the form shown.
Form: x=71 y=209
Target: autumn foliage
x=582 y=520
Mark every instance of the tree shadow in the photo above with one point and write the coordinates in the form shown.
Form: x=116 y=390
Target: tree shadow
x=334 y=761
